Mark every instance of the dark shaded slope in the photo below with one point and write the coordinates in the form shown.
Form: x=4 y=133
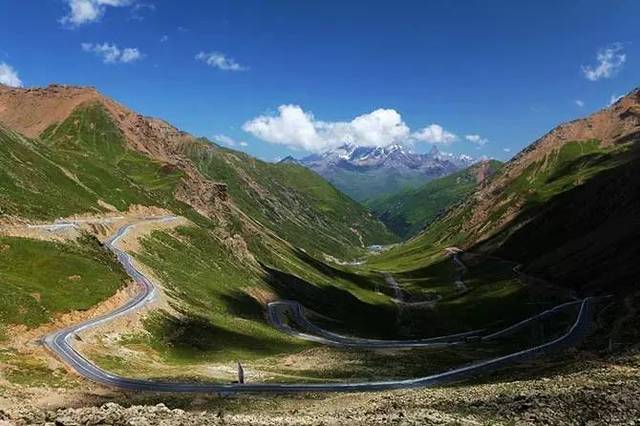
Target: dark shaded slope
x=587 y=238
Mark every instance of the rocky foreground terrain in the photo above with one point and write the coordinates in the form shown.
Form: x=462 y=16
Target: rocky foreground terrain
x=590 y=391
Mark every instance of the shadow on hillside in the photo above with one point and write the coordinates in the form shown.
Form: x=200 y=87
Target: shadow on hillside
x=593 y=229
x=190 y=337
x=351 y=314
x=365 y=282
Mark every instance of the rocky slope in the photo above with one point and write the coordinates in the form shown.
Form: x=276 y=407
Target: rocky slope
x=366 y=172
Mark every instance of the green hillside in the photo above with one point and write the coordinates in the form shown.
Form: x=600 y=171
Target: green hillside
x=83 y=164
x=41 y=279
x=220 y=271
x=365 y=185
x=77 y=167
x=291 y=200
x=576 y=214
x=408 y=212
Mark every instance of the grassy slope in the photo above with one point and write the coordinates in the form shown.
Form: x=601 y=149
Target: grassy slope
x=371 y=184
x=583 y=236
x=217 y=294
x=40 y=279
x=565 y=210
x=84 y=159
x=409 y=211
x=292 y=201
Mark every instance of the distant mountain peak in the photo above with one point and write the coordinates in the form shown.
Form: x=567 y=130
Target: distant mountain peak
x=359 y=170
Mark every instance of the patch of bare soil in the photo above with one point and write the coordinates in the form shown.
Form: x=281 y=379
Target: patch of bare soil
x=31 y=111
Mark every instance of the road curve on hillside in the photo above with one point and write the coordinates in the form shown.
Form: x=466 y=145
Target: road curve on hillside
x=276 y=310
x=61 y=344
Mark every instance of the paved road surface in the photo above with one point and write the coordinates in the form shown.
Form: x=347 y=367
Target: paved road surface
x=61 y=343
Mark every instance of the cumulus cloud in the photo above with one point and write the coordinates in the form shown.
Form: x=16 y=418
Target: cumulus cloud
x=506 y=149
x=112 y=54
x=130 y=54
x=579 y=103
x=435 y=134
x=9 y=76
x=610 y=60
x=83 y=12
x=477 y=139
x=220 y=61
x=298 y=129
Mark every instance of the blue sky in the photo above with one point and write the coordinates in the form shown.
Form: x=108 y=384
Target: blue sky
x=478 y=77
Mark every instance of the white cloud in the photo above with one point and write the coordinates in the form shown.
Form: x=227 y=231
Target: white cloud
x=614 y=98
x=87 y=11
x=111 y=54
x=506 y=149
x=579 y=103
x=224 y=140
x=9 y=76
x=228 y=141
x=436 y=134
x=477 y=139
x=220 y=61
x=164 y=38
x=297 y=129
x=610 y=60
x=130 y=55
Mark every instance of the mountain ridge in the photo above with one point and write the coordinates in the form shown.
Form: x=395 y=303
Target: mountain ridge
x=263 y=191
x=363 y=172
x=564 y=208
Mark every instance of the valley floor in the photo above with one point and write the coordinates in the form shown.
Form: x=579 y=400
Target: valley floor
x=580 y=389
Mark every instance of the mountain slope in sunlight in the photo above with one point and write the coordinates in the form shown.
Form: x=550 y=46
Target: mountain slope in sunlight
x=408 y=212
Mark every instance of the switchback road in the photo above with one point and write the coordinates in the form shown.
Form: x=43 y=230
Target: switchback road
x=61 y=344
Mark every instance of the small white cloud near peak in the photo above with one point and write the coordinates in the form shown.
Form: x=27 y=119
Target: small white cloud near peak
x=434 y=134
x=477 y=139
x=9 y=76
x=579 y=103
x=613 y=99
x=112 y=54
x=506 y=149
x=83 y=12
x=610 y=60
x=228 y=141
x=220 y=61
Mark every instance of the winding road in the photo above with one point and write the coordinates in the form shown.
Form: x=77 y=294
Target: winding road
x=61 y=344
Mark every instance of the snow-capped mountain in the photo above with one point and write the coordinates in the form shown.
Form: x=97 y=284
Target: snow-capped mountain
x=365 y=172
